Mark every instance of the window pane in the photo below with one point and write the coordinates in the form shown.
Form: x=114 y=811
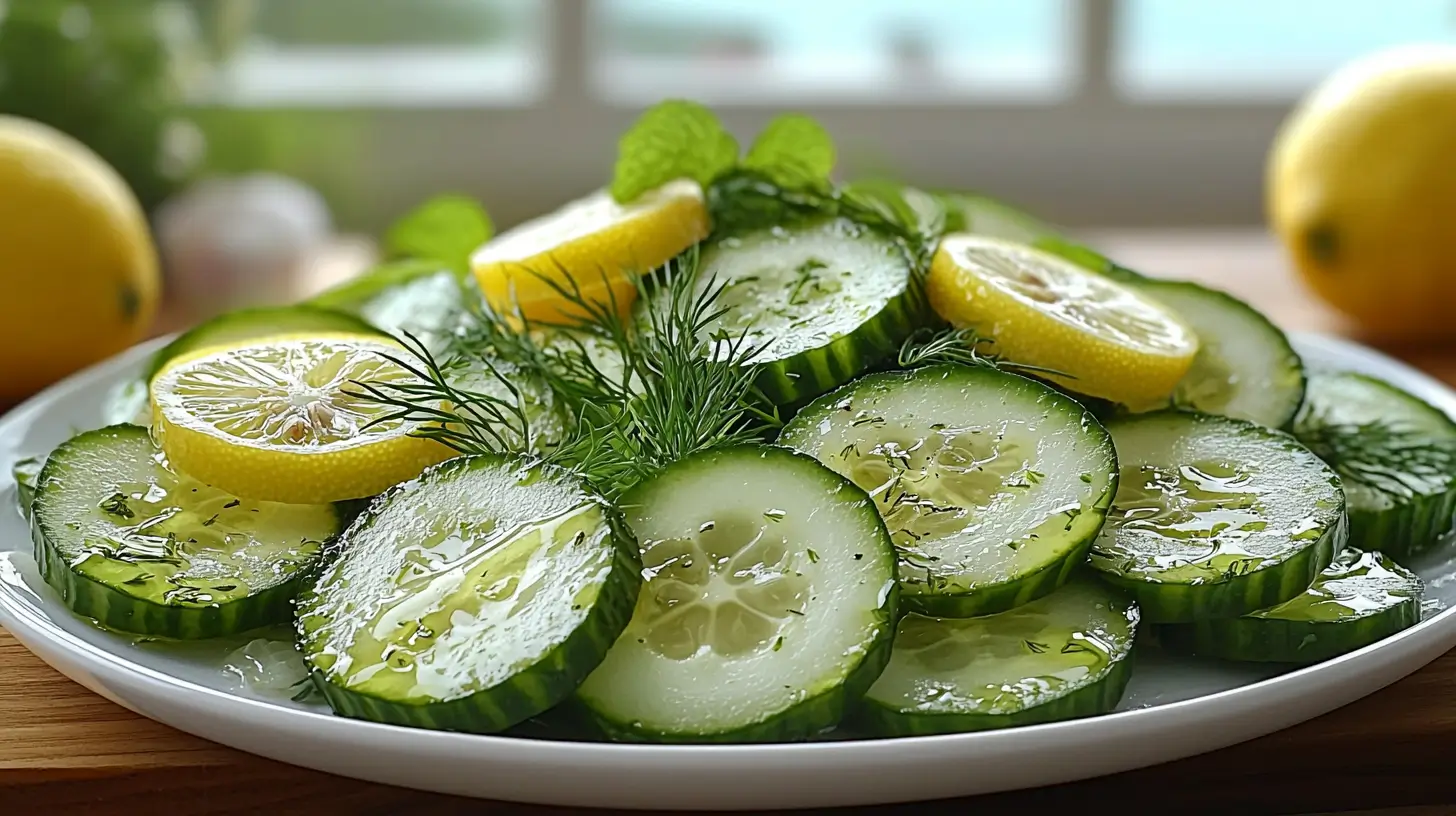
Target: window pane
x=322 y=53
x=1203 y=49
x=807 y=51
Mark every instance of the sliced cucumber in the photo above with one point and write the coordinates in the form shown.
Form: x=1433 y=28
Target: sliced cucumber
x=246 y=324
x=415 y=297
x=1360 y=598
x=26 y=473
x=992 y=485
x=983 y=215
x=140 y=548
x=826 y=301
x=1245 y=367
x=1216 y=517
x=769 y=605
x=1063 y=656
x=470 y=599
x=1395 y=454
x=354 y=294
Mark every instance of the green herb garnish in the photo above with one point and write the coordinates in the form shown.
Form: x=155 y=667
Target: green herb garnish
x=445 y=229
x=116 y=505
x=1392 y=460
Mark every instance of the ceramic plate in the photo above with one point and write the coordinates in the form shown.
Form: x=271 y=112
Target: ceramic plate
x=1172 y=709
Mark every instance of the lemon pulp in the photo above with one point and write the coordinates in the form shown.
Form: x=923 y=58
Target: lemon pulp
x=1093 y=335
x=287 y=419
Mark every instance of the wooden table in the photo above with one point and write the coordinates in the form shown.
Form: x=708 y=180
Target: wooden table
x=65 y=750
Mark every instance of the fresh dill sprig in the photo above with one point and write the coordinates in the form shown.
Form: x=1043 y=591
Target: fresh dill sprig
x=926 y=347
x=681 y=388
x=467 y=420
x=1397 y=461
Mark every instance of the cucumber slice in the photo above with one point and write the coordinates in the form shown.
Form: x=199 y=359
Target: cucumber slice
x=769 y=605
x=983 y=215
x=826 y=301
x=1216 y=517
x=140 y=548
x=246 y=324
x=1395 y=454
x=26 y=473
x=992 y=485
x=1245 y=367
x=1360 y=598
x=423 y=300
x=354 y=294
x=1063 y=656
x=470 y=599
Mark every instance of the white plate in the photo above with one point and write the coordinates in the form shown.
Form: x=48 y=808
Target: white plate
x=1172 y=709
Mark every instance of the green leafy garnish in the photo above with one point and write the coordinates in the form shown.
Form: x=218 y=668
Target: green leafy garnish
x=1396 y=461
x=672 y=140
x=670 y=399
x=445 y=229
x=793 y=150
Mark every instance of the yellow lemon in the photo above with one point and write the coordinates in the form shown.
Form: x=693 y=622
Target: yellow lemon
x=77 y=263
x=286 y=419
x=1093 y=335
x=593 y=246
x=1361 y=188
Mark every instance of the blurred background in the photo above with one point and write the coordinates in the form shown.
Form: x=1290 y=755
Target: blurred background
x=1107 y=114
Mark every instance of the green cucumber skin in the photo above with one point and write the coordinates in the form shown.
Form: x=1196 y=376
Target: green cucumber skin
x=119 y=612
x=1268 y=640
x=808 y=719
x=550 y=681
x=1099 y=698
x=796 y=380
x=1186 y=603
x=988 y=600
x=1414 y=526
x=811 y=718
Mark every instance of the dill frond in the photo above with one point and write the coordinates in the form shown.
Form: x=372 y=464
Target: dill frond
x=1396 y=461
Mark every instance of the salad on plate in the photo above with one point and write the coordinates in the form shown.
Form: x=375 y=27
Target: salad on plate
x=730 y=452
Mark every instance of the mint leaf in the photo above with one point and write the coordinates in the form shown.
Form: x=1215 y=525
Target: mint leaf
x=671 y=140
x=793 y=150
x=445 y=229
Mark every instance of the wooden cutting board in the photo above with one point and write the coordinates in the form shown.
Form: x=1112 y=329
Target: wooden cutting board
x=65 y=750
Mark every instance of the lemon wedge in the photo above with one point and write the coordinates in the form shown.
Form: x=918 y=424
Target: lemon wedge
x=1102 y=338
x=594 y=246
x=282 y=419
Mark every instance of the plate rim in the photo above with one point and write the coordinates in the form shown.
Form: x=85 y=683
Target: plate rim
x=74 y=656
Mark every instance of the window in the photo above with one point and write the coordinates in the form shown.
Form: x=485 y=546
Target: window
x=817 y=51
x=1090 y=112
x=1247 y=50
x=393 y=53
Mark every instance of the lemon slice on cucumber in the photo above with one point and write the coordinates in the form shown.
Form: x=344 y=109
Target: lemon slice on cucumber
x=1092 y=335
x=593 y=246
x=284 y=419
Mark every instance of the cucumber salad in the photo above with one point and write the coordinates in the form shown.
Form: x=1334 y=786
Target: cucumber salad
x=728 y=451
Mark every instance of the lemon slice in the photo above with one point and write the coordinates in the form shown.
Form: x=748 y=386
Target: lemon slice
x=593 y=244
x=1105 y=339
x=281 y=419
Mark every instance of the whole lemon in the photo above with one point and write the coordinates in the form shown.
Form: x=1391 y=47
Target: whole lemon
x=1362 y=190
x=78 y=270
